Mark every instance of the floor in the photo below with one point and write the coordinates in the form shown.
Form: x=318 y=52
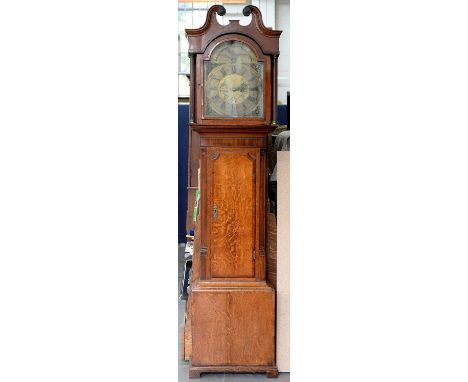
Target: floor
x=184 y=365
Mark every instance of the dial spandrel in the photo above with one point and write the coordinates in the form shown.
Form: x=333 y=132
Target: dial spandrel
x=233 y=82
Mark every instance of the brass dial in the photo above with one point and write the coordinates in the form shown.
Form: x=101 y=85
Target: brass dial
x=233 y=88
x=233 y=82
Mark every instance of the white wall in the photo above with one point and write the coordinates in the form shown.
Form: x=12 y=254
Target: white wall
x=282 y=264
x=234 y=12
x=275 y=14
x=282 y=23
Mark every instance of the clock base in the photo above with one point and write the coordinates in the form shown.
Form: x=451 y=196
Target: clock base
x=233 y=328
x=196 y=371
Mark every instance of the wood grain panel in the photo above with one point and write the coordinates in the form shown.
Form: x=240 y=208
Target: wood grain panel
x=194 y=157
x=196 y=263
x=270 y=250
x=233 y=141
x=233 y=327
x=187 y=333
x=233 y=195
x=189 y=223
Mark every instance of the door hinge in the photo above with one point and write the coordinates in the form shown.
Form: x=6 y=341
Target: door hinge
x=253 y=254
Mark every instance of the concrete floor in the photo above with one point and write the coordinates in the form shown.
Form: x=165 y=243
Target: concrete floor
x=224 y=377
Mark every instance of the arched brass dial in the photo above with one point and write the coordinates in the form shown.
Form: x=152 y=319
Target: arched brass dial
x=233 y=82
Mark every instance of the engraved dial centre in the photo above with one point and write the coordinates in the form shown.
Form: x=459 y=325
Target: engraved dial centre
x=233 y=89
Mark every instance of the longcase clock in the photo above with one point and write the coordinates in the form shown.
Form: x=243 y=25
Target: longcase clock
x=233 y=98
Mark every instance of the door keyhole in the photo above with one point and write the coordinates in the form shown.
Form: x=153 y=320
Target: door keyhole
x=215 y=211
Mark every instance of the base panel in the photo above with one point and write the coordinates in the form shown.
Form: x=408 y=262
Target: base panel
x=233 y=327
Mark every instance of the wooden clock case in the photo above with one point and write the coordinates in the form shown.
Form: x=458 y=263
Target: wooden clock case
x=232 y=303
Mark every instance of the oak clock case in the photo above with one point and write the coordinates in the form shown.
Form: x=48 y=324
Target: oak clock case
x=231 y=302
